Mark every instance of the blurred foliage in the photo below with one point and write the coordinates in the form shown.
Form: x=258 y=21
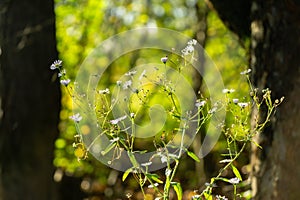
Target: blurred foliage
x=83 y=24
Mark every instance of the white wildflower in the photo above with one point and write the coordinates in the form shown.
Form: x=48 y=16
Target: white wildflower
x=115 y=121
x=235 y=101
x=234 y=180
x=119 y=83
x=128 y=195
x=65 y=82
x=62 y=73
x=219 y=197
x=114 y=139
x=227 y=91
x=146 y=164
x=245 y=72
x=168 y=172
x=106 y=91
x=127 y=84
x=190 y=49
x=131 y=73
x=192 y=42
x=164 y=59
x=243 y=105
x=213 y=110
x=200 y=104
x=56 y=64
x=76 y=118
x=196 y=196
x=164 y=159
x=154 y=185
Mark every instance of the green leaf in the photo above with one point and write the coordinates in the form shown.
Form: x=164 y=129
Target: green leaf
x=126 y=173
x=256 y=144
x=208 y=196
x=194 y=156
x=154 y=177
x=223 y=179
x=236 y=172
x=178 y=189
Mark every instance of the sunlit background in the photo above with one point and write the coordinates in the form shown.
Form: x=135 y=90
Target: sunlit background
x=84 y=24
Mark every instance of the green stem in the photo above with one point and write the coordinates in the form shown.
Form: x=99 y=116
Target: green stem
x=223 y=169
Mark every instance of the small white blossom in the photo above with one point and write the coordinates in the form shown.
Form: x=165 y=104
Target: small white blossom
x=119 y=83
x=128 y=195
x=192 y=42
x=114 y=139
x=164 y=59
x=154 y=185
x=235 y=101
x=106 y=91
x=132 y=115
x=213 y=110
x=62 y=73
x=243 y=105
x=219 y=197
x=168 y=172
x=164 y=159
x=227 y=91
x=115 y=121
x=65 y=82
x=56 y=64
x=76 y=118
x=245 y=72
x=196 y=196
x=127 y=84
x=187 y=50
x=146 y=164
x=234 y=180
x=190 y=49
x=200 y=104
x=131 y=73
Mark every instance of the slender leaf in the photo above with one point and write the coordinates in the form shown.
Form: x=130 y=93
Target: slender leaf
x=193 y=156
x=126 y=173
x=256 y=144
x=208 y=196
x=154 y=177
x=236 y=172
x=178 y=189
x=223 y=179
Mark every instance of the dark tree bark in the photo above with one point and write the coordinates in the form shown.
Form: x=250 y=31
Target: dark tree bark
x=30 y=99
x=275 y=60
x=235 y=14
x=276 y=63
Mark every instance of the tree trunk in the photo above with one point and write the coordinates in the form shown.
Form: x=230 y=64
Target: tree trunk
x=30 y=99
x=275 y=45
x=275 y=62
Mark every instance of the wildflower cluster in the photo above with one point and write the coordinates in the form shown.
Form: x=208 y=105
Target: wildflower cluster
x=57 y=65
x=141 y=90
x=239 y=133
